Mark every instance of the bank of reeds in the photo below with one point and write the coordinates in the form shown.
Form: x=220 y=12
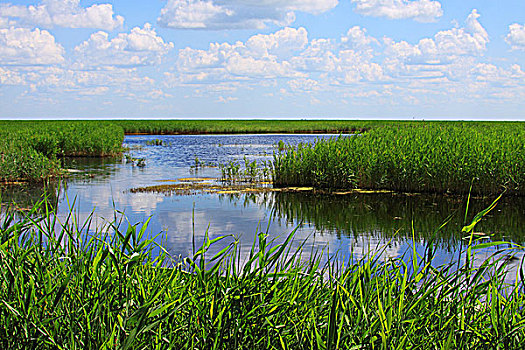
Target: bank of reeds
x=244 y=126
x=31 y=150
x=424 y=157
x=74 y=286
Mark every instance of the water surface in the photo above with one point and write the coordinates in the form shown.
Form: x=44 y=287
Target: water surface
x=351 y=224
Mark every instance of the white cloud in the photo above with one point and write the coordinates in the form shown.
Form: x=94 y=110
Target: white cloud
x=61 y=13
x=516 y=36
x=22 y=46
x=498 y=76
x=447 y=65
x=259 y=68
x=99 y=90
x=228 y=99
x=142 y=46
x=445 y=47
x=319 y=56
x=262 y=56
x=304 y=85
x=224 y=14
x=282 y=44
x=192 y=14
x=419 y=10
x=55 y=80
x=9 y=77
x=356 y=38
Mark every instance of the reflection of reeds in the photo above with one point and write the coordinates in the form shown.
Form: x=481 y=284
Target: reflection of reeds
x=69 y=285
x=390 y=216
x=425 y=157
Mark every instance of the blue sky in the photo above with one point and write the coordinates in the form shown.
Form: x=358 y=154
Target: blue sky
x=380 y=59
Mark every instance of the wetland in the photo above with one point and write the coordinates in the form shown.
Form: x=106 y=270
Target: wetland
x=381 y=235
x=187 y=189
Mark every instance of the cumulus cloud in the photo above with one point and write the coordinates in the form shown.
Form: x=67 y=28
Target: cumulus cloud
x=497 y=76
x=445 y=46
x=449 y=62
x=22 y=46
x=516 y=36
x=142 y=46
x=281 y=44
x=9 y=77
x=357 y=38
x=285 y=54
x=61 y=13
x=224 y=14
x=419 y=10
x=54 y=80
x=262 y=56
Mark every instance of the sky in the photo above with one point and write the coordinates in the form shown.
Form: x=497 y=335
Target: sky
x=334 y=59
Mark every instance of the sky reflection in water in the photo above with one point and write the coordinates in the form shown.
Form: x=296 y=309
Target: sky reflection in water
x=350 y=224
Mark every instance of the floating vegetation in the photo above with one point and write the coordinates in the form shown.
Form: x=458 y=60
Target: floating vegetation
x=195 y=179
x=199 y=185
x=140 y=162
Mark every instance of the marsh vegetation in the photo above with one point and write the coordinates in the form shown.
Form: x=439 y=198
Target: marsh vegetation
x=72 y=285
x=76 y=281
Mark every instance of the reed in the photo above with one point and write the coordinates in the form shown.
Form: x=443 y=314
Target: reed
x=425 y=157
x=68 y=285
x=31 y=151
x=155 y=127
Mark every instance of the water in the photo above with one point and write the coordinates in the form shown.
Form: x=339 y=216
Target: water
x=350 y=224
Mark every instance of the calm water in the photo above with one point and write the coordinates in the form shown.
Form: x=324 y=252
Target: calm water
x=349 y=224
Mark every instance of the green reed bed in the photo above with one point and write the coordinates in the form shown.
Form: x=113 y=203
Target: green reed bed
x=30 y=150
x=244 y=126
x=73 y=286
x=424 y=157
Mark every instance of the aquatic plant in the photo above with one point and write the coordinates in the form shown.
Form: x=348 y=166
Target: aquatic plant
x=247 y=171
x=31 y=150
x=65 y=284
x=155 y=142
x=161 y=127
x=425 y=157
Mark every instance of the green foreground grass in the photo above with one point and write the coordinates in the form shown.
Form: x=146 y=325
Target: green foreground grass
x=80 y=287
x=417 y=157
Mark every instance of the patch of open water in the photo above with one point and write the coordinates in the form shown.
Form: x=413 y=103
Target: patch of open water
x=350 y=224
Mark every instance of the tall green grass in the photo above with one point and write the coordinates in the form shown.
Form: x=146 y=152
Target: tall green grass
x=424 y=157
x=398 y=155
x=31 y=150
x=244 y=126
x=69 y=285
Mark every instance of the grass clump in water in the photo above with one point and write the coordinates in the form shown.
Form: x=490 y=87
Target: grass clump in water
x=66 y=285
x=31 y=150
x=424 y=157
